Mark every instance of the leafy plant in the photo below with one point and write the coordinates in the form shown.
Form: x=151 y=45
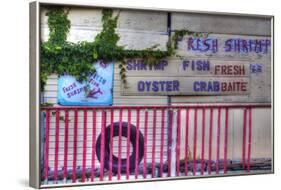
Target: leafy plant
x=61 y=57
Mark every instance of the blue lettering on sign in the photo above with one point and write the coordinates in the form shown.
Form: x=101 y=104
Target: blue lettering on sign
x=203 y=86
x=196 y=65
x=202 y=44
x=255 y=68
x=97 y=90
x=158 y=86
x=139 y=65
x=247 y=46
x=140 y=86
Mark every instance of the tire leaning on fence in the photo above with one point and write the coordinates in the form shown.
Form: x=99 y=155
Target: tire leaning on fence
x=132 y=159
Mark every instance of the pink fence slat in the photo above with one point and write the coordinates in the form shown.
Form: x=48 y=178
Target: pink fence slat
x=210 y=141
x=111 y=145
x=153 y=143
x=128 y=145
x=218 y=140
x=74 y=146
x=194 y=141
x=103 y=124
x=162 y=141
x=93 y=145
x=46 y=153
x=170 y=133
x=84 y=156
x=56 y=146
x=178 y=142
x=249 y=140
x=145 y=143
x=65 y=145
x=137 y=145
x=119 y=144
x=225 y=142
x=244 y=138
x=203 y=142
x=186 y=143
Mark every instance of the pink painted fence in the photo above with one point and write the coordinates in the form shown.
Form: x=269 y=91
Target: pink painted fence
x=87 y=143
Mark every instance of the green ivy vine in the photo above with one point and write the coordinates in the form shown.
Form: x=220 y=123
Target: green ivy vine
x=59 y=56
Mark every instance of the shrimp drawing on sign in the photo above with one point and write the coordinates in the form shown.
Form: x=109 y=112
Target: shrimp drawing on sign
x=93 y=92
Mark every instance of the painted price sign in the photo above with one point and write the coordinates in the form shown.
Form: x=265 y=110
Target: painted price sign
x=96 y=91
x=188 y=77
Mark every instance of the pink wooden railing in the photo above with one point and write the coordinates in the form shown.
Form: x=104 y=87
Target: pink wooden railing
x=162 y=124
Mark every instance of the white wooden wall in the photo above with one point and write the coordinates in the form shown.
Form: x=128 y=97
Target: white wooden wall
x=138 y=30
x=236 y=27
x=142 y=29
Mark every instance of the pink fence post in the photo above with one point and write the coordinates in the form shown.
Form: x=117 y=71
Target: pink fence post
x=194 y=141
x=128 y=145
x=162 y=141
x=56 y=147
x=225 y=141
x=119 y=145
x=103 y=124
x=210 y=141
x=218 y=140
x=170 y=117
x=137 y=145
x=203 y=142
x=244 y=138
x=46 y=153
x=145 y=144
x=153 y=143
x=74 y=146
x=186 y=142
x=111 y=144
x=178 y=142
x=249 y=139
x=84 y=156
x=93 y=145
x=65 y=145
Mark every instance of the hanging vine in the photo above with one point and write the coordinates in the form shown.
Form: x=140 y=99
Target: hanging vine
x=59 y=56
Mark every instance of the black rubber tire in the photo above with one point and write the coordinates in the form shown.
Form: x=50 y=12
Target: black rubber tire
x=133 y=134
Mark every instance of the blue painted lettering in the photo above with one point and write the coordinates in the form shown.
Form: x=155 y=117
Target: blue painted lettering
x=185 y=64
x=156 y=86
x=201 y=44
x=141 y=86
x=255 y=68
x=247 y=45
x=138 y=65
x=204 y=86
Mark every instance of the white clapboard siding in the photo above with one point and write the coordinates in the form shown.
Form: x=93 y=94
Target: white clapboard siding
x=137 y=29
x=128 y=19
x=223 y=24
x=50 y=92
